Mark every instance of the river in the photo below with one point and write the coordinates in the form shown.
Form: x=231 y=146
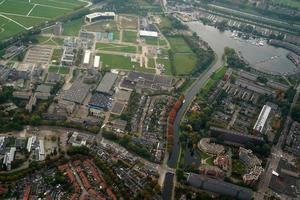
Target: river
x=265 y=58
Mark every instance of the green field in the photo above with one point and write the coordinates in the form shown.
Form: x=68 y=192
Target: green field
x=151 y=63
x=116 y=47
x=290 y=3
x=178 y=45
x=116 y=35
x=166 y=63
x=47 y=41
x=72 y=28
x=59 y=69
x=129 y=36
x=129 y=22
x=104 y=26
x=20 y=15
x=155 y=41
x=121 y=62
x=56 y=55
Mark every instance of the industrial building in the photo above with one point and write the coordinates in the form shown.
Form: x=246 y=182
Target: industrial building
x=97 y=61
x=148 y=33
x=9 y=157
x=107 y=83
x=262 y=119
x=100 y=101
x=87 y=56
x=77 y=92
x=97 y=16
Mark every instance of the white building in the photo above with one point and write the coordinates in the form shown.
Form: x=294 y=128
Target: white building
x=9 y=157
x=87 y=56
x=98 y=16
x=97 y=61
x=148 y=34
x=41 y=150
x=262 y=119
x=30 y=141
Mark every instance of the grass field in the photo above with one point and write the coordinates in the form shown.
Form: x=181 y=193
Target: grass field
x=54 y=41
x=166 y=63
x=155 y=41
x=108 y=26
x=121 y=62
x=116 y=35
x=290 y=3
x=20 y=15
x=129 y=22
x=116 y=47
x=178 y=45
x=56 y=55
x=129 y=36
x=59 y=69
x=72 y=28
x=151 y=63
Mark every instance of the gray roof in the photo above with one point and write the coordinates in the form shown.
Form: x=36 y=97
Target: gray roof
x=219 y=186
x=123 y=95
x=107 y=83
x=52 y=77
x=43 y=89
x=77 y=92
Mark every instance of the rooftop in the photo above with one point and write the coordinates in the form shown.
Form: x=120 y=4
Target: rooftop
x=77 y=92
x=107 y=83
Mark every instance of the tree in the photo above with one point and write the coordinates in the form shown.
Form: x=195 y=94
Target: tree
x=296 y=112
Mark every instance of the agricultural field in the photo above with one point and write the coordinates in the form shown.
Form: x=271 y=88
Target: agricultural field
x=129 y=36
x=116 y=47
x=20 y=15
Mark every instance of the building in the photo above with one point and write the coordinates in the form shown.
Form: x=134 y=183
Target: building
x=9 y=158
x=107 y=83
x=30 y=142
x=41 y=151
x=222 y=161
x=77 y=92
x=219 y=187
x=22 y=95
x=262 y=119
x=98 y=16
x=211 y=171
x=77 y=140
x=100 y=101
x=87 y=56
x=253 y=175
x=235 y=137
x=97 y=61
x=148 y=34
x=211 y=148
x=123 y=95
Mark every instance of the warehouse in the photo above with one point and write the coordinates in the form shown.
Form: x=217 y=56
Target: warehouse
x=96 y=61
x=262 y=119
x=107 y=83
x=100 y=102
x=148 y=34
x=87 y=56
x=97 y=16
x=77 y=92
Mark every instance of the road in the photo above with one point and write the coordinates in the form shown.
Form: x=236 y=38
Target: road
x=276 y=153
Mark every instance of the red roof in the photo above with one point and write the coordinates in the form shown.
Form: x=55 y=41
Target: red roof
x=26 y=192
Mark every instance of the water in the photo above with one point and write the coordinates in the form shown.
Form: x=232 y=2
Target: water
x=265 y=58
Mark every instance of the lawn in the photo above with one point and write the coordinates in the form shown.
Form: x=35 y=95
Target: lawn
x=217 y=75
x=178 y=45
x=48 y=12
x=8 y=28
x=121 y=62
x=59 y=69
x=166 y=63
x=47 y=41
x=116 y=35
x=151 y=63
x=116 y=47
x=129 y=22
x=155 y=41
x=56 y=55
x=184 y=63
x=104 y=26
x=238 y=169
x=290 y=3
x=129 y=36
x=72 y=28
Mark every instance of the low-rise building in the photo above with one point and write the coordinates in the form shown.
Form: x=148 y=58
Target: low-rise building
x=211 y=148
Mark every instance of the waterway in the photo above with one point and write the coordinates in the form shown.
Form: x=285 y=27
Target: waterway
x=265 y=58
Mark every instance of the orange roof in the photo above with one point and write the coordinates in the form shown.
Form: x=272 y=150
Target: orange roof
x=26 y=192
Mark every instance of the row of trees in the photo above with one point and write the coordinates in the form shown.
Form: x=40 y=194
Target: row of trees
x=171 y=120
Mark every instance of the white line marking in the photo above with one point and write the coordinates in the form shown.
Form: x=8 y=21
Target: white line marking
x=4 y=13
x=2 y=2
x=31 y=9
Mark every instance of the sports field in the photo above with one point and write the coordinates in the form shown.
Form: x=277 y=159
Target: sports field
x=59 y=70
x=20 y=15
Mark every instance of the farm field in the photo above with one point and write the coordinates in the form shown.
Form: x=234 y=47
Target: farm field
x=129 y=36
x=116 y=47
x=20 y=15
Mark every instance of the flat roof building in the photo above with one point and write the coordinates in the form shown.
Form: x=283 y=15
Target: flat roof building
x=97 y=61
x=107 y=83
x=97 y=16
x=148 y=33
x=262 y=119
x=87 y=56
x=77 y=92
x=9 y=157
